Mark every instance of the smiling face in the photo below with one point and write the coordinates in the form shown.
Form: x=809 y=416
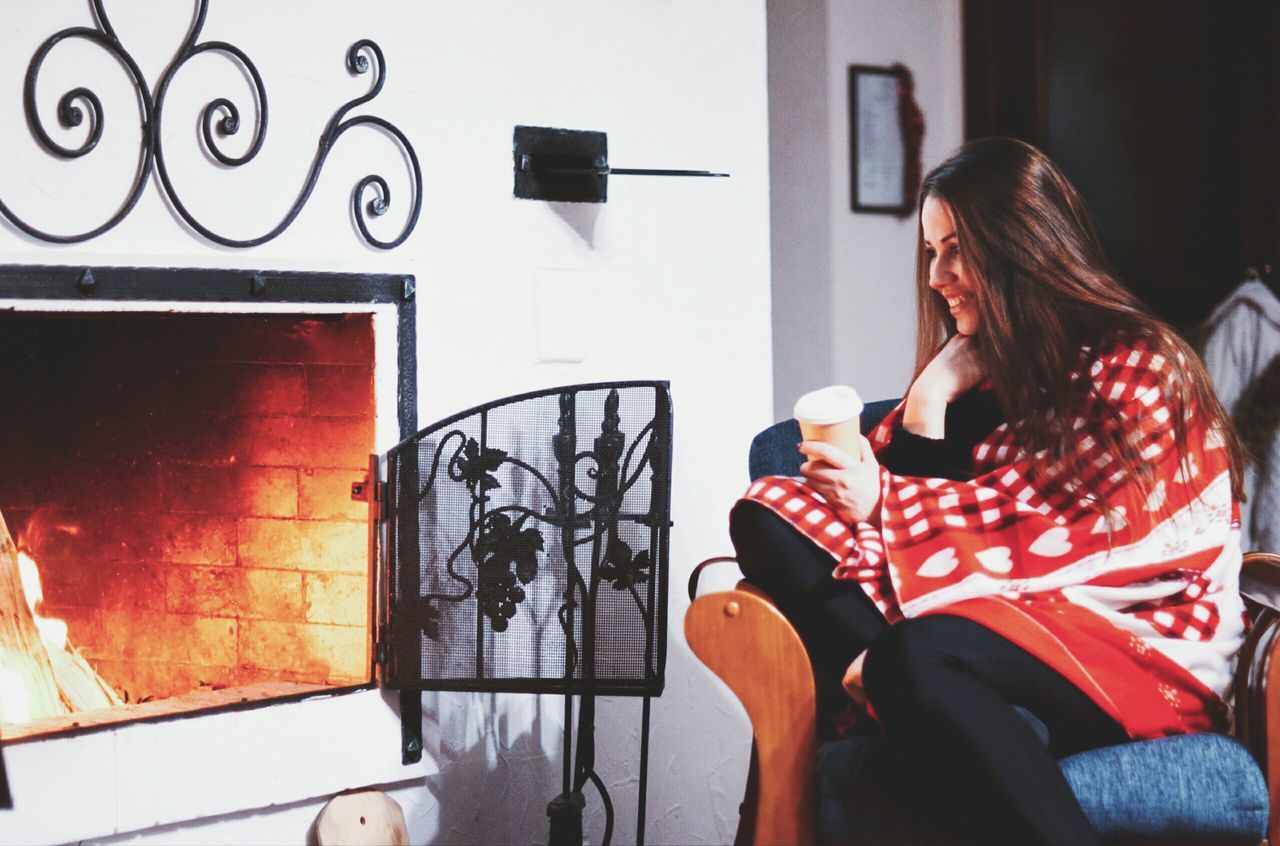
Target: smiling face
x=948 y=274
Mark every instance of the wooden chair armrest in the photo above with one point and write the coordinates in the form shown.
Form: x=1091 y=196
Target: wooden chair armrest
x=1257 y=691
x=1260 y=578
x=743 y=638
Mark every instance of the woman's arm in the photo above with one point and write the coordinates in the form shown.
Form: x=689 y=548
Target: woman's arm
x=949 y=374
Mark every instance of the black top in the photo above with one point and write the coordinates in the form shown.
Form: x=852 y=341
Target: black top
x=973 y=416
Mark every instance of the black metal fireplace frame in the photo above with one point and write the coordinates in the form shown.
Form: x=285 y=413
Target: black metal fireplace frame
x=211 y=285
x=249 y=287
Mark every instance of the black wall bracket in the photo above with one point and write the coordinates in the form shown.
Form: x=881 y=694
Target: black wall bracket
x=571 y=165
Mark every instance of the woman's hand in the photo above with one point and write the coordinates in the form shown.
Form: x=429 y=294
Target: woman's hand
x=850 y=483
x=852 y=681
x=949 y=374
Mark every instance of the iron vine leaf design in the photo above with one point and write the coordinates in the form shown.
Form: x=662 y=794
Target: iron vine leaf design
x=621 y=569
x=501 y=546
x=506 y=539
x=476 y=467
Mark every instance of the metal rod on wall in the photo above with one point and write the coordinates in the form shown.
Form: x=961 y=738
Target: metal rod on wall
x=572 y=165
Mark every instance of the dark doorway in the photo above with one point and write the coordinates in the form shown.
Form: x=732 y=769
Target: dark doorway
x=1162 y=112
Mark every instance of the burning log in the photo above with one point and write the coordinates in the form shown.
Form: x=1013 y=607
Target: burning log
x=28 y=686
x=80 y=685
x=41 y=674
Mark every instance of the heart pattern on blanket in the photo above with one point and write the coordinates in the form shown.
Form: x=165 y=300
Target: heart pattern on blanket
x=997 y=559
x=940 y=564
x=1112 y=522
x=1188 y=470
x=1214 y=440
x=1052 y=543
x=1156 y=499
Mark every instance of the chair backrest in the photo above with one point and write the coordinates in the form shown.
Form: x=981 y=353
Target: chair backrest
x=1255 y=670
x=773 y=451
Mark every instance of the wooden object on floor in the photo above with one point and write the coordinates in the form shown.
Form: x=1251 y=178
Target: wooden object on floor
x=743 y=638
x=364 y=818
x=28 y=687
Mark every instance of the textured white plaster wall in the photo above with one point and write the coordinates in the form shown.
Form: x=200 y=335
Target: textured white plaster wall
x=873 y=256
x=843 y=283
x=801 y=186
x=671 y=278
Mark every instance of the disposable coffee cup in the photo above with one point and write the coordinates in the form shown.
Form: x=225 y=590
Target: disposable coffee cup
x=832 y=415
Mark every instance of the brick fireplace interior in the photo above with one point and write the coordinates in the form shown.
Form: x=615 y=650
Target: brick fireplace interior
x=183 y=482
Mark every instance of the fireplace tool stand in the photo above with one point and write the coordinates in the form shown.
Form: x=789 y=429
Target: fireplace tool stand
x=520 y=562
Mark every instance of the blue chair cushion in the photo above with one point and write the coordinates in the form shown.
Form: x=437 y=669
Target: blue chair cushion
x=1202 y=786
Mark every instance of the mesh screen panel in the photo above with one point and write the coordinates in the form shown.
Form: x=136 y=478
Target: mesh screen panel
x=527 y=545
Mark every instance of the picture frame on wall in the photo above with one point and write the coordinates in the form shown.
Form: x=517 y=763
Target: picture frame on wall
x=885 y=130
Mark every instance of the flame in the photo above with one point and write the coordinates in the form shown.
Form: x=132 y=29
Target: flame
x=52 y=630
x=15 y=705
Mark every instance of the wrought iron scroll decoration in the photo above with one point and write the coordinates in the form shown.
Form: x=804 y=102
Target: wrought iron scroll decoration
x=220 y=117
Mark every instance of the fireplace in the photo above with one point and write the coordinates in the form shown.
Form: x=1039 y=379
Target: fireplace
x=197 y=472
x=180 y=449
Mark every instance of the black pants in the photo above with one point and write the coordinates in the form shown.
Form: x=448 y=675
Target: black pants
x=944 y=689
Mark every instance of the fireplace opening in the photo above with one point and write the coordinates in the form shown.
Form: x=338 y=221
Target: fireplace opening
x=182 y=483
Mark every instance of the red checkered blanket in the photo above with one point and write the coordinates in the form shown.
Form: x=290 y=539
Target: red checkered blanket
x=1138 y=607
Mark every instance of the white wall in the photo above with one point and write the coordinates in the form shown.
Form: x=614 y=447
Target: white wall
x=873 y=256
x=870 y=340
x=800 y=191
x=673 y=277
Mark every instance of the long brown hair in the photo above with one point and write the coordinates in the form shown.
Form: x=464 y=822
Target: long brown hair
x=1044 y=290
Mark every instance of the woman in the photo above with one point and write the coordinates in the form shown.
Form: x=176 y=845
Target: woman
x=1049 y=520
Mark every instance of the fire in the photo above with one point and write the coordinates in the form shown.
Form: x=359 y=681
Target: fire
x=52 y=677
x=52 y=630
x=15 y=704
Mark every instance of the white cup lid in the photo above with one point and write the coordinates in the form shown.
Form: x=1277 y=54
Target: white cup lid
x=827 y=406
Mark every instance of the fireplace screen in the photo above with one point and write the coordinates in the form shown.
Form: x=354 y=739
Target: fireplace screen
x=527 y=545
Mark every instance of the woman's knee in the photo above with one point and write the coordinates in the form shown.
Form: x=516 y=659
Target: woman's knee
x=778 y=557
x=908 y=661
x=749 y=530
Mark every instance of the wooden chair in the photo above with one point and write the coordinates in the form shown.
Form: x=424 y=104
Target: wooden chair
x=742 y=637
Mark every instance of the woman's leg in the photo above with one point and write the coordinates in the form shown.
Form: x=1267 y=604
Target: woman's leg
x=834 y=617
x=944 y=688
